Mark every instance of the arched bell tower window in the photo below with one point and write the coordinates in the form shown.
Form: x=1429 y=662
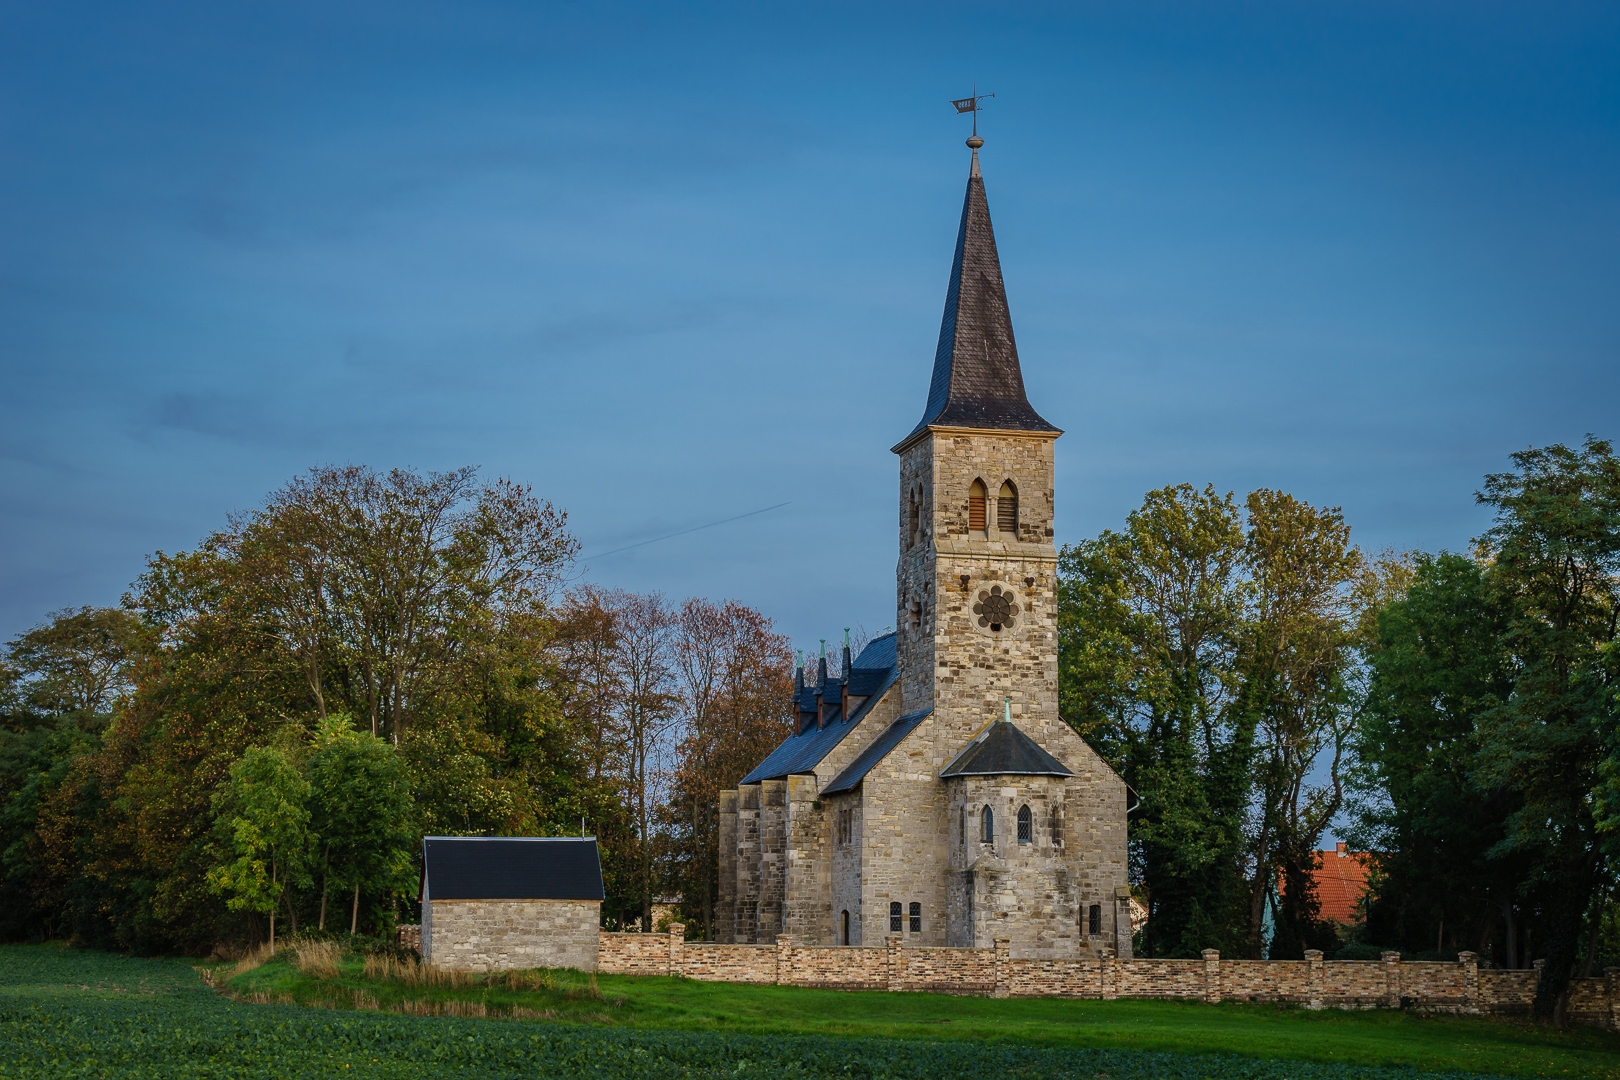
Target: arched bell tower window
x=987 y=824
x=1026 y=825
x=1007 y=511
x=976 y=519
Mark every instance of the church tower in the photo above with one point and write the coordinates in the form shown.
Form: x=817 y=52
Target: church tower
x=930 y=794
x=976 y=582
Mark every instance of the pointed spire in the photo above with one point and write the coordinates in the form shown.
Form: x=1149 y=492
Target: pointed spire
x=977 y=381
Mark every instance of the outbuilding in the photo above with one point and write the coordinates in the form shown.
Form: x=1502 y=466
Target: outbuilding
x=495 y=903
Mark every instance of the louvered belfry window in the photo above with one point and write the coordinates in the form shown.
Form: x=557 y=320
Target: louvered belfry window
x=1007 y=510
x=976 y=508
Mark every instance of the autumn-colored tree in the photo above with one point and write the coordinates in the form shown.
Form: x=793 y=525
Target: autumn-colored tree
x=736 y=679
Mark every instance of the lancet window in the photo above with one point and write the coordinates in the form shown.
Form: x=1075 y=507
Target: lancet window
x=1007 y=511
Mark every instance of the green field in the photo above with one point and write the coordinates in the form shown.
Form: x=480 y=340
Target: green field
x=70 y=1013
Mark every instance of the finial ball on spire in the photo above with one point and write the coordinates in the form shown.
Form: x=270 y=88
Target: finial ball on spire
x=975 y=142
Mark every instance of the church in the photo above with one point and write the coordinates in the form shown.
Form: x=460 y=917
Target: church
x=932 y=792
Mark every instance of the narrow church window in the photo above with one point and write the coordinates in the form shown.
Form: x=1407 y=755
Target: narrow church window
x=1007 y=511
x=988 y=819
x=844 y=936
x=1057 y=829
x=1096 y=919
x=914 y=523
x=961 y=825
x=916 y=917
x=976 y=495
x=894 y=916
x=1026 y=825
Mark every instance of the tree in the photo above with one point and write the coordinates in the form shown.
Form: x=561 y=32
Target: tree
x=736 y=678
x=1554 y=550
x=78 y=662
x=1439 y=664
x=262 y=824
x=1300 y=656
x=1210 y=655
x=1149 y=628
x=360 y=815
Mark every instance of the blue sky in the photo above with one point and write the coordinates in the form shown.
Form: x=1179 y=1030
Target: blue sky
x=674 y=263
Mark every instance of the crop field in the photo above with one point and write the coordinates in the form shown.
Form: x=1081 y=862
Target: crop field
x=66 y=1013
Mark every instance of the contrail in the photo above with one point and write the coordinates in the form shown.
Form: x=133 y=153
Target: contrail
x=683 y=532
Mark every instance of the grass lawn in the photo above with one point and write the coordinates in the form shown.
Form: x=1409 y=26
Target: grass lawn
x=1372 y=1038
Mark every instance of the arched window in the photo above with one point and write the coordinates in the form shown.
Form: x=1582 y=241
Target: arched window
x=988 y=821
x=894 y=916
x=1007 y=511
x=916 y=917
x=961 y=825
x=845 y=928
x=976 y=495
x=1026 y=825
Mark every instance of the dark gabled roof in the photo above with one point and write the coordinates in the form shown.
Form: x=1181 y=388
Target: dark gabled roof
x=1002 y=750
x=875 y=752
x=977 y=380
x=802 y=752
x=511 y=868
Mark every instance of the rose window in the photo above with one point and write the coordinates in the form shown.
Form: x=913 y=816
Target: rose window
x=996 y=609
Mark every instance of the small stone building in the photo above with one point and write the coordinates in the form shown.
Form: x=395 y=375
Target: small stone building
x=933 y=791
x=490 y=904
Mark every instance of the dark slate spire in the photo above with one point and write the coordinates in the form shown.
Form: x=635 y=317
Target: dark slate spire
x=977 y=382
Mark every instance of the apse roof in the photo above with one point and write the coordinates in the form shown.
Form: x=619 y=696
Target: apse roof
x=1003 y=750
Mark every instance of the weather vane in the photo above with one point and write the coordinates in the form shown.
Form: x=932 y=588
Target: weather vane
x=971 y=105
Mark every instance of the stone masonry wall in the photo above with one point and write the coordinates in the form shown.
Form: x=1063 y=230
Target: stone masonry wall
x=495 y=935
x=1313 y=983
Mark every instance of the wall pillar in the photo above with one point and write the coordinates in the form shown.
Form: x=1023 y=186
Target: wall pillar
x=784 y=959
x=677 y=949
x=1105 y=971
x=1611 y=993
x=1313 y=995
x=894 y=961
x=1003 y=967
x=1392 y=979
x=1212 y=975
x=1470 y=967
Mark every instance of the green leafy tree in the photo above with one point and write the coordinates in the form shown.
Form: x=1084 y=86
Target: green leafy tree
x=262 y=821
x=360 y=815
x=1554 y=549
x=1440 y=664
x=1150 y=626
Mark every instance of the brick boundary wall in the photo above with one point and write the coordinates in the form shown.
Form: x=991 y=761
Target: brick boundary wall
x=1313 y=982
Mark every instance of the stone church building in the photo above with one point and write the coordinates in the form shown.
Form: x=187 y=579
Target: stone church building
x=933 y=791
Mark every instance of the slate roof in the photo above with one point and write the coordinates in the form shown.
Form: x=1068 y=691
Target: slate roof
x=878 y=667
x=511 y=868
x=875 y=752
x=1002 y=750
x=977 y=381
